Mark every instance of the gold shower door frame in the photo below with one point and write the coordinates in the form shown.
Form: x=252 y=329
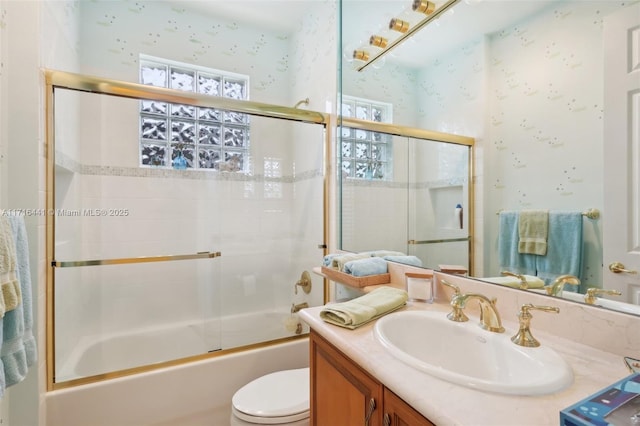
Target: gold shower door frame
x=83 y=83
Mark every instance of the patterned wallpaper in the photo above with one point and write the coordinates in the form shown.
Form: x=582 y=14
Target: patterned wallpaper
x=532 y=96
x=119 y=30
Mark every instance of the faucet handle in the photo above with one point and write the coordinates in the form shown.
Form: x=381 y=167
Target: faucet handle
x=456 y=289
x=592 y=292
x=524 y=336
x=456 y=314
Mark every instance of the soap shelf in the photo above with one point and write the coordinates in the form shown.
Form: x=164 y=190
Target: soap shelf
x=350 y=280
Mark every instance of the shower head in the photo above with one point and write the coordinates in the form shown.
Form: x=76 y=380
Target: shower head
x=304 y=101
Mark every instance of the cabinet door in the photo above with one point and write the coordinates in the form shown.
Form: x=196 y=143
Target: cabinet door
x=399 y=413
x=342 y=394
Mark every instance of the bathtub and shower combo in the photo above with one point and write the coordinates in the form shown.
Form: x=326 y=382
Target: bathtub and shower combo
x=178 y=284
x=175 y=268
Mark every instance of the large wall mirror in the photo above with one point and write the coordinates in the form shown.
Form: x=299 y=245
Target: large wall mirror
x=532 y=83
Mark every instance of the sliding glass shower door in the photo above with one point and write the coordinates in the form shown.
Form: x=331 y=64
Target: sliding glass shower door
x=171 y=242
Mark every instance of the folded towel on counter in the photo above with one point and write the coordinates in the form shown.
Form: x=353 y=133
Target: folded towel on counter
x=361 y=310
x=407 y=260
x=533 y=228
x=364 y=267
x=508 y=257
x=10 y=295
x=338 y=261
x=532 y=282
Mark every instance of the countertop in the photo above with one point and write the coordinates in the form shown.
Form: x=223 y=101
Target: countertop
x=444 y=403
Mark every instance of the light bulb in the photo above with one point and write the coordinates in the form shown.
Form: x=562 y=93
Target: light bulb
x=378 y=41
x=423 y=6
x=399 y=25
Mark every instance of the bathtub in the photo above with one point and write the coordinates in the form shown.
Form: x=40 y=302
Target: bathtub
x=194 y=393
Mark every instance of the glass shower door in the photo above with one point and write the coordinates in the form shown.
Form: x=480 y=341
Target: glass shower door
x=439 y=199
x=136 y=272
x=157 y=261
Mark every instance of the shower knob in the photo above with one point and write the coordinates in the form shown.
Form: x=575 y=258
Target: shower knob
x=304 y=282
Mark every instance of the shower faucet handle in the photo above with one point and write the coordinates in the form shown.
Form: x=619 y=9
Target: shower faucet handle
x=304 y=282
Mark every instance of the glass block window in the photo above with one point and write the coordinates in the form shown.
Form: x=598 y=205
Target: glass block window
x=187 y=137
x=365 y=154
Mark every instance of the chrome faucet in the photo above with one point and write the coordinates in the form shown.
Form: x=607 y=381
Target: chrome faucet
x=557 y=286
x=592 y=292
x=489 y=316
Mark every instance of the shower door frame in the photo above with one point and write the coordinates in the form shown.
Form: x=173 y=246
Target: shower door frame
x=83 y=83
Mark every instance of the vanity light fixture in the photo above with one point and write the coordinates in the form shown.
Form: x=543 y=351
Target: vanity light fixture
x=425 y=8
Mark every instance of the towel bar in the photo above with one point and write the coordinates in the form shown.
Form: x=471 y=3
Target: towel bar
x=128 y=260
x=450 y=240
x=591 y=213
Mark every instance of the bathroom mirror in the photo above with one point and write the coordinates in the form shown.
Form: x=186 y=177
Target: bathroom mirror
x=525 y=79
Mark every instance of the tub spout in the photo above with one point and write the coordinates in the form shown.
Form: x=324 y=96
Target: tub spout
x=295 y=308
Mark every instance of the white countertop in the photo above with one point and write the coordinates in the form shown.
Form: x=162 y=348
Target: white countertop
x=445 y=403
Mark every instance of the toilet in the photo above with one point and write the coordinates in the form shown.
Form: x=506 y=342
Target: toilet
x=280 y=398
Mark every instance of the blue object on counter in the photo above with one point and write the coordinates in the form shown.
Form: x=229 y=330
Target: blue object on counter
x=614 y=405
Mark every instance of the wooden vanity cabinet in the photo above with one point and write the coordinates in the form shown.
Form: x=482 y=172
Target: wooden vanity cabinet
x=342 y=394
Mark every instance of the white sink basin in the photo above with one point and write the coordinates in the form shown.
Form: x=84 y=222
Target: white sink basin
x=465 y=354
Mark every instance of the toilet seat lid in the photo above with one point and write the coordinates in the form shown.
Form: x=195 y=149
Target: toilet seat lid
x=279 y=394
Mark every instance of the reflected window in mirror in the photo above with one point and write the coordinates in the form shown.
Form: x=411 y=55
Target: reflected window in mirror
x=188 y=137
x=366 y=154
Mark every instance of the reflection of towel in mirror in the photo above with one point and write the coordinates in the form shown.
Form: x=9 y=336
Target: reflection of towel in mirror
x=532 y=231
x=361 y=310
x=564 y=248
x=407 y=260
x=509 y=259
x=364 y=267
x=9 y=285
x=532 y=282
